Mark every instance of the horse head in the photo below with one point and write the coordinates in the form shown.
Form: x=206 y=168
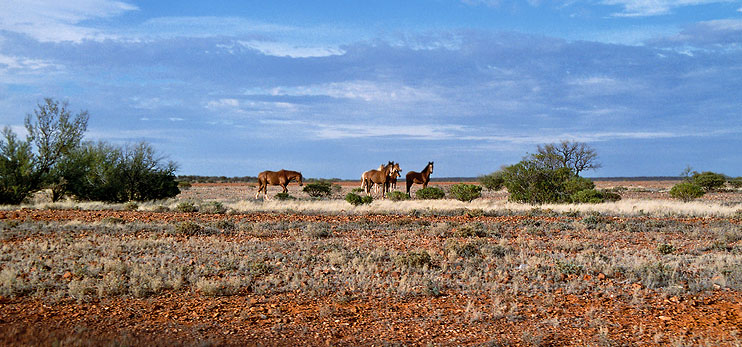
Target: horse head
x=299 y=178
x=431 y=166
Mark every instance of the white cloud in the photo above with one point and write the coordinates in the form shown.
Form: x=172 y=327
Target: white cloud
x=644 y=8
x=420 y=132
x=24 y=63
x=285 y=49
x=368 y=91
x=56 y=21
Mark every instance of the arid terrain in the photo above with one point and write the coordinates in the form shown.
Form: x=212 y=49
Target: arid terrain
x=645 y=271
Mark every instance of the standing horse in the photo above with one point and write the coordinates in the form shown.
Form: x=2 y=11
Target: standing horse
x=363 y=178
x=381 y=177
x=422 y=177
x=276 y=178
x=393 y=180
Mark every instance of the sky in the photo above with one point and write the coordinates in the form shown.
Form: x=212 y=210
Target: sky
x=334 y=88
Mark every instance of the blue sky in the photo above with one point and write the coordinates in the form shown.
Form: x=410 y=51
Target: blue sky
x=334 y=88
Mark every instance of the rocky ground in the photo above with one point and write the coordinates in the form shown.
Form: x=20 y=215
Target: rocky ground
x=476 y=300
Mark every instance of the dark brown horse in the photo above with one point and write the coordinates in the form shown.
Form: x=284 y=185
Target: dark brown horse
x=276 y=178
x=381 y=177
x=422 y=177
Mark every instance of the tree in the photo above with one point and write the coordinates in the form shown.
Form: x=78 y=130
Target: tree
x=576 y=156
x=493 y=181
x=16 y=168
x=530 y=182
x=103 y=172
x=53 y=132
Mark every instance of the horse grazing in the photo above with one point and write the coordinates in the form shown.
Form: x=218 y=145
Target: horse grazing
x=276 y=178
x=381 y=177
x=422 y=177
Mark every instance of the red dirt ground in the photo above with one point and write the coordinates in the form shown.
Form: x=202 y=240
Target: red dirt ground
x=630 y=315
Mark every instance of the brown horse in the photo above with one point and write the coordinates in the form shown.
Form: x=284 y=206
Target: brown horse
x=422 y=177
x=393 y=180
x=363 y=178
x=276 y=178
x=381 y=177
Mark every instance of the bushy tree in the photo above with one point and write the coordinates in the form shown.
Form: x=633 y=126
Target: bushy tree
x=735 y=182
x=54 y=157
x=104 y=172
x=27 y=165
x=493 y=181
x=16 y=168
x=530 y=182
x=708 y=180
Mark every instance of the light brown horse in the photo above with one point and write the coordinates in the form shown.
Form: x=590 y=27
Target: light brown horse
x=364 y=176
x=276 y=178
x=381 y=177
x=422 y=177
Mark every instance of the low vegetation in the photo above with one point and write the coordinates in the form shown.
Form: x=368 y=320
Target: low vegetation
x=466 y=192
x=430 y=193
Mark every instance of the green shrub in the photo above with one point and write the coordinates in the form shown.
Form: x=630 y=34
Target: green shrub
x=414 y=259
x=16 y=169
x=466 y=192
x=184 y=185
x=284 y=196
x=186 y=206
x=355 y=199
x=213 y=207
x=188 y=228
x=103 y=172
x=577 y=184
x=686 y=191
x=735 y=182
x=709 y=180
x=610 y=195
x=665 y=248
x=319 y=189
x=493 y=181
x=531 y=183
x=430 y=193
x=471 y=230
x=357 y=190
x=397 y=196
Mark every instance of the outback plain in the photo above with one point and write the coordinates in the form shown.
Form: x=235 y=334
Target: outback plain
x=646 y=270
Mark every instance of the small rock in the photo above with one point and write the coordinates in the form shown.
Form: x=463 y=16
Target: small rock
x=664 y=318
x=601 y=276
x=67 y=275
